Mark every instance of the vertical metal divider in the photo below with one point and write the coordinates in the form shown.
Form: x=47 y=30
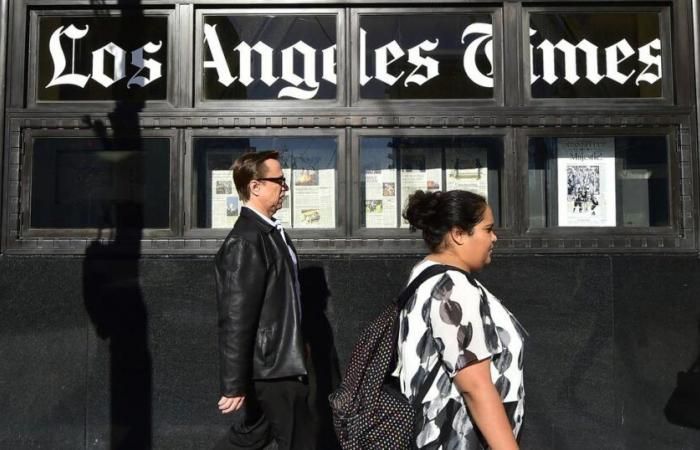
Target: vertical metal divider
x=4 y=15
x=695 y=10
x=512 y=218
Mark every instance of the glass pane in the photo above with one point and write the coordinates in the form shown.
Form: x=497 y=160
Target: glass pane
x=426 y=56
x=101 y=58
x=91 y=183
x=598 y=181
x=596 y=55
x=392 y=168
x=269 y=57
x=308 y=163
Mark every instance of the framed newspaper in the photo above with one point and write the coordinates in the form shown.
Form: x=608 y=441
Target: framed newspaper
x=586 y=182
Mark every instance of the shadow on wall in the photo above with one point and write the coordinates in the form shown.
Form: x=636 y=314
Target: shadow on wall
x=111 y=280
x=324 y=371
x=683 y=407
x=113 y=300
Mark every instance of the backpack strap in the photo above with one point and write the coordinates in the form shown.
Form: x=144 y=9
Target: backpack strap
x=429 y=272
x=401 y=301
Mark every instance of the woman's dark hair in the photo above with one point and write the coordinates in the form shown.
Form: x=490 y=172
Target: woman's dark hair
x=436 y=213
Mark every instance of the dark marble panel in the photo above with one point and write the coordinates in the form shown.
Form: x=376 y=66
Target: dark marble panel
x=657 y=334
x=607 y=338
x=370 y=284
x=183 y=345
x=166 y=366
x=42 y=349
x=566 y=305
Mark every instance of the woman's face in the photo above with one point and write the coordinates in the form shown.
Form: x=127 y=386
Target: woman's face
x=475 y=249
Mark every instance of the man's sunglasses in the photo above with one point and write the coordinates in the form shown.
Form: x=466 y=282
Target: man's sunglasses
x=282 y=181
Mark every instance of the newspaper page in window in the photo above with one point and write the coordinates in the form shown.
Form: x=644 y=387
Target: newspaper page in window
x=421 y=169
x=284 y=214
x=380 y=198
x=586 y=182
x=313 y=188
x=225 y=204
x=467 y=169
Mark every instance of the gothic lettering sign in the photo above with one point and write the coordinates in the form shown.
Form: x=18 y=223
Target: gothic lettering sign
x=102 y=58
x=256 y=57
x=401 y=56
x=599 y=55
x=419 y=56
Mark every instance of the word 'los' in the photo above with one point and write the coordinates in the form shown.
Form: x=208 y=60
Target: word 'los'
x=98 y=61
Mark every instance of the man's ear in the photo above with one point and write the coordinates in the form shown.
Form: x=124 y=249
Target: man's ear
x=253 y=188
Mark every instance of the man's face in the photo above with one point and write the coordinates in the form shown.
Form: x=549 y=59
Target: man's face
x=267 y=192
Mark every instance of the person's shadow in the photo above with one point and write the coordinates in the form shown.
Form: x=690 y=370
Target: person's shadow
x=114 y=303
x=324 y=371
x=111 y=278
x=683 y=407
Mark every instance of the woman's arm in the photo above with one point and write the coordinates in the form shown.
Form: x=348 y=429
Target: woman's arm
x=485 y=406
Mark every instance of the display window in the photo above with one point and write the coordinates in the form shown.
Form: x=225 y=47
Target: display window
x=391 y=168
x=310 y=164
x=612 y=181
x=92 y=186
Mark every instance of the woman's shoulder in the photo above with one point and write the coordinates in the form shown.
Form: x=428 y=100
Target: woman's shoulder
x=452 y=279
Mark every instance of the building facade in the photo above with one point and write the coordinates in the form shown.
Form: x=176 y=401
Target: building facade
x=576 y=120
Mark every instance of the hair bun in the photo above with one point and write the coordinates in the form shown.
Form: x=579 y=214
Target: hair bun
x=422 y=209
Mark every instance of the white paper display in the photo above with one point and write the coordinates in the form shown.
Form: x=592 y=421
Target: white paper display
x=284 y=214
x=313 y=189
x=380 y=198
x=421 y=169
x=225 y=205
x=586 y=182
x=467 y=169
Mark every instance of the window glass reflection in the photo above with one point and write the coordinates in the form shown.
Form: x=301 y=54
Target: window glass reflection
x=596 y=55
x=92 y=183
x=308 y=164
x=268 y=57
x=102 y=58
x=598 y=181
x=392 y=168
x=426 y=56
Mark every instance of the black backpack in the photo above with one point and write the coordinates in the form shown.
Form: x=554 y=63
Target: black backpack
x=369 y=410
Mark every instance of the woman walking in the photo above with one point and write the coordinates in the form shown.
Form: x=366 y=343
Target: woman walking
x=476 y=400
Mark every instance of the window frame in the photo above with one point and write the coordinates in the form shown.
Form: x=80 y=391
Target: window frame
x=27 y=232
x=31 y=99
x=498 y=51
x=192 y=231
x=571 y=232
x=341 y=64
x=506 y=177
x=617 y=103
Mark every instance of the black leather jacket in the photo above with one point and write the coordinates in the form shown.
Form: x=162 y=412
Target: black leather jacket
x=260 y=333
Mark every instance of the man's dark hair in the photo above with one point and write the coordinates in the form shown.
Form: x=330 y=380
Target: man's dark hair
x=249 y=167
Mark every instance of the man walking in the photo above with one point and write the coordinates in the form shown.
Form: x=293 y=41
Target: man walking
x=263 y=374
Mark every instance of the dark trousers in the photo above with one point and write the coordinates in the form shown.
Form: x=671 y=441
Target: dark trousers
x=278 y=410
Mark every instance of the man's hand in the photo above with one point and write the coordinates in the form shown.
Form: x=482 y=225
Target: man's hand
x=230 y=404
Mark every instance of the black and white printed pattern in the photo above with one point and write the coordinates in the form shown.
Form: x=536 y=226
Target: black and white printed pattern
x=460 y=322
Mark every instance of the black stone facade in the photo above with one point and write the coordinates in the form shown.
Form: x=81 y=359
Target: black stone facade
x=607 y=336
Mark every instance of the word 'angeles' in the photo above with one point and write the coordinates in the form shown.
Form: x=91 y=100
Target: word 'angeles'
x=306 y=85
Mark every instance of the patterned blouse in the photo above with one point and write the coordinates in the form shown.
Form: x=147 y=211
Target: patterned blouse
x=452 y=321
